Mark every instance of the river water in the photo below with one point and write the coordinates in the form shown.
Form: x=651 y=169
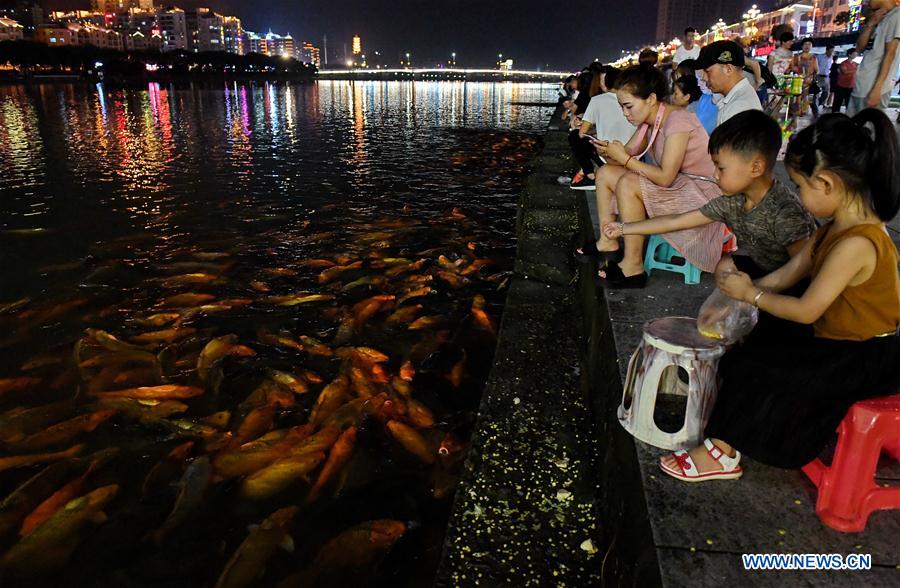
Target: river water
x=303 y=280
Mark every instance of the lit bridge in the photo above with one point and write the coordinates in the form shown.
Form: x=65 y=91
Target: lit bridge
x=475 y=75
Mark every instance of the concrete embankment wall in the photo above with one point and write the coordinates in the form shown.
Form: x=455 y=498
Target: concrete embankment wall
x=551 y=494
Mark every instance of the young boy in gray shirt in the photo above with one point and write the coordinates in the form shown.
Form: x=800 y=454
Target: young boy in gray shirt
x=767 y=218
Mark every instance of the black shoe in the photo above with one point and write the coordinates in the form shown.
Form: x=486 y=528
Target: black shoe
x=588 y=252
x=616 y=280
x=584 y=183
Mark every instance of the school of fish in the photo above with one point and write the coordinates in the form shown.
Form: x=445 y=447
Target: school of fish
x=265 y=394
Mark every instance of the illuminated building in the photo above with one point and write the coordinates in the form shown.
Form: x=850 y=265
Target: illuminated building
x=172 y=25
x=138 y=41
x=205 y=30
x=673 y=16
x=357 y=45
x=28 y=13
x=836 y=17
x=271 y=44
x=814 y=19
x=87 y=17
x=74 y=33
x=10 y=30
x=121 y=5
x=53 y=35
x=310 y=54
x=233 y=35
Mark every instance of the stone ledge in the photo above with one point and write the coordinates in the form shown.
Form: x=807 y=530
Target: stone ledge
x=526 y=501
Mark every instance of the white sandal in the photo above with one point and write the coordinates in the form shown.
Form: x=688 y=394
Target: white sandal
x=687 y=469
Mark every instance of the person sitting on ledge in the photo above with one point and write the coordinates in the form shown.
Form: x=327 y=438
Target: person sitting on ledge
x=722 y=63
x=765 y=215
x=781 y=398
x=685 y=93
x=705 y=108
x=680 y=180
x=604 y=119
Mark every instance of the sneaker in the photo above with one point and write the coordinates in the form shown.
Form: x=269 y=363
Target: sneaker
x=578 y=177
x=585 y=183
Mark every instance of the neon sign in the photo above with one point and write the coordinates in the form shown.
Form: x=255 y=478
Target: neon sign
x=855 y=8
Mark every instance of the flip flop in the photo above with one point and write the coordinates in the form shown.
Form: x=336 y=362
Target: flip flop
x=616 y=280
x=687 y=469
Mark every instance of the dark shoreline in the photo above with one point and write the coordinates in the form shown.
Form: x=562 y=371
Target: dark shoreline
x=150 y=79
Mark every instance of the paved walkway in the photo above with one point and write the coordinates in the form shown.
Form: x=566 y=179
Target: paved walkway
x=700 y=531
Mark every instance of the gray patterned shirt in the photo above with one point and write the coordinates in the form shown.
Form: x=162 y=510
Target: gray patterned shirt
x=764 y=232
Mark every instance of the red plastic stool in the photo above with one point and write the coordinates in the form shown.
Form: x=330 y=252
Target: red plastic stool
x=847 y=490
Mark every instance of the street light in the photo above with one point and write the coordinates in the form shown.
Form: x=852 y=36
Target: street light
x=750 y=19
x=717 y=28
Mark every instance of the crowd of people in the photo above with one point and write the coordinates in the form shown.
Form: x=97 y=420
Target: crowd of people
x=691 y=156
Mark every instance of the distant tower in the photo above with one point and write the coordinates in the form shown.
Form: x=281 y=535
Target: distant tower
x=357 y=45
x=325 y=47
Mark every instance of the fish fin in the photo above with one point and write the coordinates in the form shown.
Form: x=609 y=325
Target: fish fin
x=287 y=544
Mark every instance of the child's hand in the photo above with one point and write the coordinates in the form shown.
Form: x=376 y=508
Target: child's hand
x=725 y=266
x=614 y=230
x=736 y=285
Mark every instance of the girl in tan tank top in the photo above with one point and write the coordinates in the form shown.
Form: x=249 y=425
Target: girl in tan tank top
x=781 y=397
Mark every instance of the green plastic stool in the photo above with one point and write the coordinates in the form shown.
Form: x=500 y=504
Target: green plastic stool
x=659 y=256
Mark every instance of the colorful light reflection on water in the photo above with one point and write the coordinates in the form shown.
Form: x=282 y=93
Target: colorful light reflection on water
x=114 y=200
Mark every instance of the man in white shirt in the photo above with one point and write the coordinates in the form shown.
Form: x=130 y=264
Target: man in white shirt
x=605 y=116
x=722 y=63
x=824 y=61
x=875 y=76
x=688 y=49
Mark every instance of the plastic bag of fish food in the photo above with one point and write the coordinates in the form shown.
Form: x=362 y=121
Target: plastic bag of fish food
x=725 y=319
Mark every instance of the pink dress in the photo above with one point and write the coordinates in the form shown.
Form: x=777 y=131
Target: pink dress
x=701 y=246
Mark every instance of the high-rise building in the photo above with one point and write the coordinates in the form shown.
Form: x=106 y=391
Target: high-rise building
x=357 y=45
x=271 y=44
x=112 y=6
x=309 y=53
x=28 y=13
x=205 y=30
x=233 y=34
x=673 y=16
x=172 y=26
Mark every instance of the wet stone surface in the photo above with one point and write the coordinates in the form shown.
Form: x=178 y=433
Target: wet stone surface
x=524 y=513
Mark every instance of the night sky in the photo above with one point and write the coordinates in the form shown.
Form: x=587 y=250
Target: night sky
x=536 y=34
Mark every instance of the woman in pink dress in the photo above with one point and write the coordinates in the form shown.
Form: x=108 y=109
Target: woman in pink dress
x=680 y=179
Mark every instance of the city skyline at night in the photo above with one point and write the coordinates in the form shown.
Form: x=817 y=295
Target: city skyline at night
x=535 y=34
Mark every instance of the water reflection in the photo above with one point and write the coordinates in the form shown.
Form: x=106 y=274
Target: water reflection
x=175 y=216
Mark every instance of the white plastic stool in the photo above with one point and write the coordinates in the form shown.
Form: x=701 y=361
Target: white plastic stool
x=670 y=341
